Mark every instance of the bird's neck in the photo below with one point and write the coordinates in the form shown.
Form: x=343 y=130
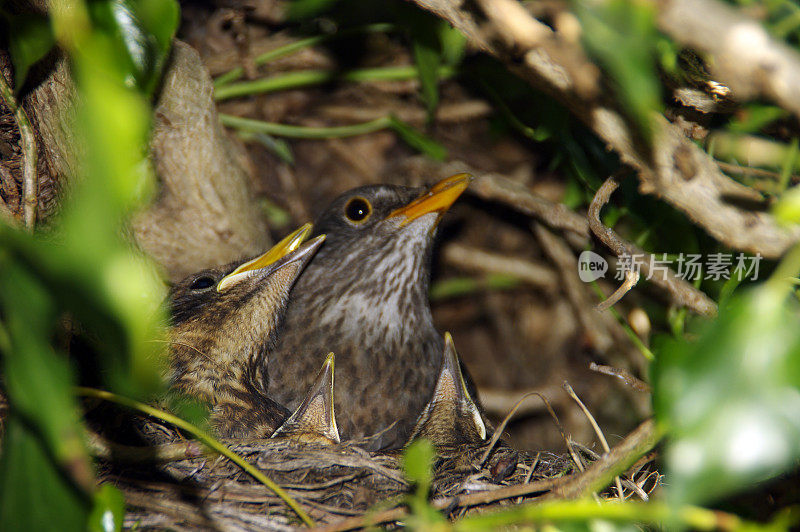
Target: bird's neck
x=384 y=300
x=207 y=365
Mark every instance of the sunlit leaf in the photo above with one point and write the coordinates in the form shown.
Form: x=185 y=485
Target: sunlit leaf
x=731 y=398
x=108 y=511
x=787 y=209
x=140 y=31
x=418 y=463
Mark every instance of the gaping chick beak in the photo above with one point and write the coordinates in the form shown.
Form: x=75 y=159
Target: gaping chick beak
x=314 y=419
x=437 y=199
x=289 y=250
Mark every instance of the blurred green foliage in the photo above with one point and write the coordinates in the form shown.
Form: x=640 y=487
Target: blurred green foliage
x=29 y=39
x=730 y=399
x=726 y=391
x=84 y=269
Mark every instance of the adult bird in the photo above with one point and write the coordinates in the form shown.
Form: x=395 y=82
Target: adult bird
x=364 y=296
x=224 y=322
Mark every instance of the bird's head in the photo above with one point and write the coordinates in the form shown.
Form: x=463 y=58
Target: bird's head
x=378 y=247
x=371 y=216
x=220 y=313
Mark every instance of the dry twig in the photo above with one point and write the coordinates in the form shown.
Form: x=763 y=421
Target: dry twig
x=682 y=292
x=494 y=187
x=471 y=258
x=30 y=181
x=672 y=167
x=596 y=428
x=623 y=375
x=631 y=278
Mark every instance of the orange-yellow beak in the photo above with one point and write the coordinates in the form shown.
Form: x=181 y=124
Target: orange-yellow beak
x=438 y=199
x=277 y=252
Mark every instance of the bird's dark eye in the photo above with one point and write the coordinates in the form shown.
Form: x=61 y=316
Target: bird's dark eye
x=357 y=209
x=201 y=283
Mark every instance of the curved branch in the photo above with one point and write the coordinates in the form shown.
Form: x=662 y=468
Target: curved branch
x=681 y=291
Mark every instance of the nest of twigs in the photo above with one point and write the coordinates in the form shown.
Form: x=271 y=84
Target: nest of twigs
x=180 y=486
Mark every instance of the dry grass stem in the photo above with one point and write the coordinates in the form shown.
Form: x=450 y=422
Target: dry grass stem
x=631 y=278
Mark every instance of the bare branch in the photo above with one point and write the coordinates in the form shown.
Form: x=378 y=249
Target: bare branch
x=631 y=278
x=682 y=292
x=674 y=168
x=475 y=259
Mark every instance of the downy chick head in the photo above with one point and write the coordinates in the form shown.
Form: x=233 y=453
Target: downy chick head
x=224 y=319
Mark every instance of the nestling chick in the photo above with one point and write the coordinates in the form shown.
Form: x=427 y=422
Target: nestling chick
x=314 y=420
x=364 y=296
x=451 y=417
x=224 y=322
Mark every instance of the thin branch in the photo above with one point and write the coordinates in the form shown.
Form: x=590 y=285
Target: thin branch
x=623 y=375
x=672 y=167
x=30 y=181
x=298 y=45
x=475 y=259
x=501 y=427
x=681 y=291
x=612 y=464
x=631 y=278
x=495 y=187
x=308 y=78
x=304 y=132
x=170 y=452
x=597 y=431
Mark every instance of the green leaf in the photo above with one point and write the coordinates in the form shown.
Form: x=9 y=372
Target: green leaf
x=43 y=458
x=417 y=140
x=755 y=116
x=730 y=400
x=38 y=381
x=453 y=44
x=427 y=59
x=418 y=464
x=34 y=493
x=29 y=39
x=160 y=18
x=305 y=9
x=140 y=32
x=787 y=208
x=108 y=512
x=425 y=32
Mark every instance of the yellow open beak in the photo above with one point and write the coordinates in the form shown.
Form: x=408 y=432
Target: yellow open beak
x=277 y=252
x=438 y=199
